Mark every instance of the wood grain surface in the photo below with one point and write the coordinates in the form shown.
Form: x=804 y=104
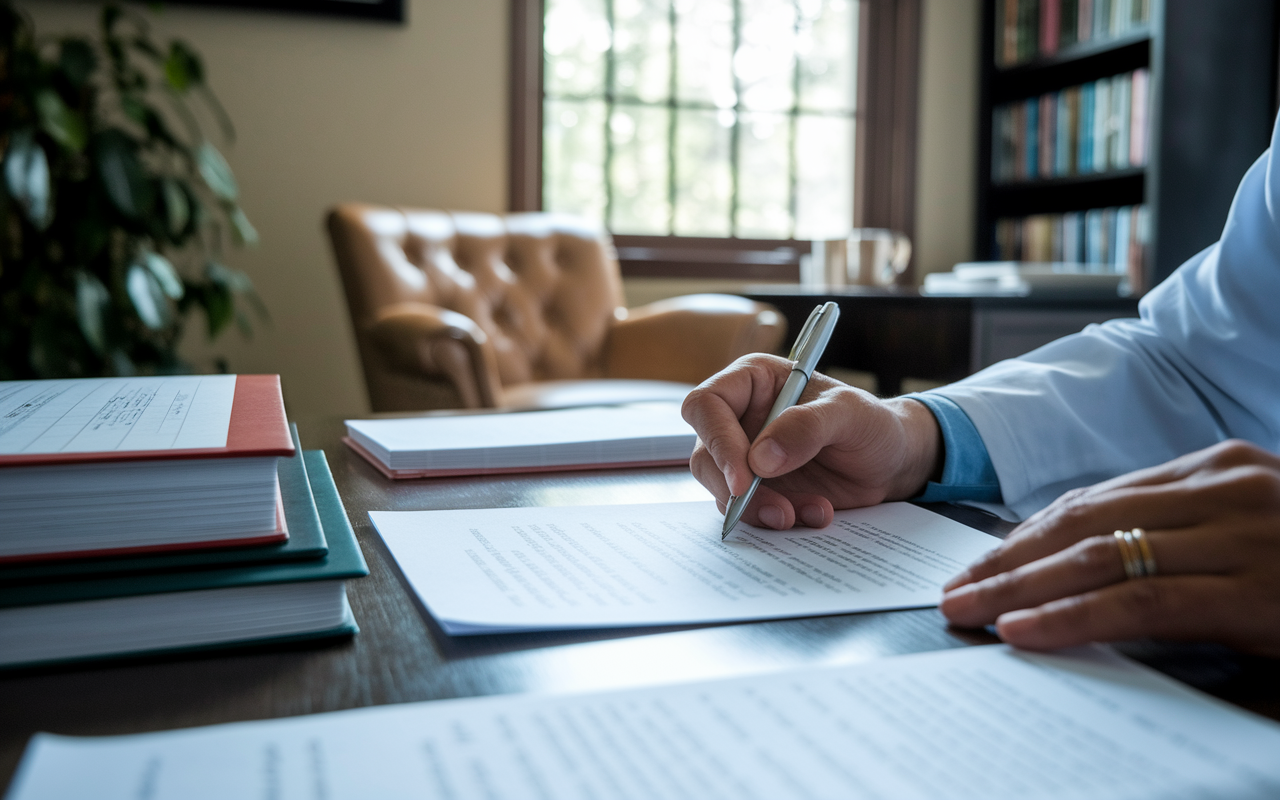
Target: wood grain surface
x=401 y=655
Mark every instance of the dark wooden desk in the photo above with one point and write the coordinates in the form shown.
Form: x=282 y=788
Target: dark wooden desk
x=401 y=656
x=899 y=333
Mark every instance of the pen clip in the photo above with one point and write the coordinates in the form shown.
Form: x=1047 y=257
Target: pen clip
x=805 y=332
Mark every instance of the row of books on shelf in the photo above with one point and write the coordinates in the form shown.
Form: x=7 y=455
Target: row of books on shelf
x=158 y=514
x=1031 y=29
x=1100 y=240
x=1097 y=127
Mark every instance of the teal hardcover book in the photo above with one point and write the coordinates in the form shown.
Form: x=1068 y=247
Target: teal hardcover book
x=121 y=615
x=306 y=541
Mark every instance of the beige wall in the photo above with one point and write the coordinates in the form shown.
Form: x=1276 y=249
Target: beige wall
x=332 y=109
x=946 y=155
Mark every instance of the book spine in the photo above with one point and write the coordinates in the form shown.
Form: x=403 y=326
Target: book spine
x=1101 y=18
x=1123 y=240
x=1031 y=134
x=1068 y=24
x=1050 y=20
x=1084 y=21
x=1121 y=86
x=1101 y=123
x=1028 y=28
x=1048 y=124
x=1138 y=119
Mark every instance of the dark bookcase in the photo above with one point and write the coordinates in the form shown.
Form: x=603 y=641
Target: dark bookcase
x=1212 y=87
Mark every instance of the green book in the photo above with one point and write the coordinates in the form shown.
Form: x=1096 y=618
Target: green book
x=306 y=540
x=120 y=615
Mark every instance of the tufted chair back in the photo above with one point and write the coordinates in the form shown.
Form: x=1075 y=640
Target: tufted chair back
x=493 y=303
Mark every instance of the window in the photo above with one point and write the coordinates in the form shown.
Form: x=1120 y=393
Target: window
x=701 y=117
x=714 y=136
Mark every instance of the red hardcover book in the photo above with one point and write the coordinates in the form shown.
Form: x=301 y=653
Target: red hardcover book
x=107 y=466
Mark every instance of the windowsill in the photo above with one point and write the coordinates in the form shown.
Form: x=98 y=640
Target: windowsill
x=706 y=257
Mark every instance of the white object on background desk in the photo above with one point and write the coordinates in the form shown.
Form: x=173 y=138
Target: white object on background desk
x=92 y=415
x=514 y=569
x=641 y=432
x=980 y=722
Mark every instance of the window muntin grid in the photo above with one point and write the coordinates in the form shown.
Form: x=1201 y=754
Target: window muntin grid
x=701 y=117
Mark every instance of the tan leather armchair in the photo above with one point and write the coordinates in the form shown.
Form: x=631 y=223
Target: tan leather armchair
x=463 y=310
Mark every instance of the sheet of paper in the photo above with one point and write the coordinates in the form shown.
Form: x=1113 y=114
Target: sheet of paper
x=93 y=415
x=981 y=722
x=508 y=569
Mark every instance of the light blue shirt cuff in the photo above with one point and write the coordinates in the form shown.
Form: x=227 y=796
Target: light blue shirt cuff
x=967 y=471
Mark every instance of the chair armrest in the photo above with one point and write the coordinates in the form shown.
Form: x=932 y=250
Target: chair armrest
x=433 y=342
x=690 y=338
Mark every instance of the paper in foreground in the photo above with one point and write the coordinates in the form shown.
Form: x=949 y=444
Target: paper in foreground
x=980 y=722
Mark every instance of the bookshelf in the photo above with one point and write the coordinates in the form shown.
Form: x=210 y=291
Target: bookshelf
x=1210 y=70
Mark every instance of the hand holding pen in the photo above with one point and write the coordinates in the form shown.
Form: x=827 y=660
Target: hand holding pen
x=840 y=447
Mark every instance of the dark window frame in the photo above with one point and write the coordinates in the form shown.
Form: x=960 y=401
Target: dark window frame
x=884 y=154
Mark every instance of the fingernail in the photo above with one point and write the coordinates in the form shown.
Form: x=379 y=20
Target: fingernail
x=813 y=516
x=959 y=579
x=1016 y=623
x=955 y=597
x=769 y=455
x=772 y=517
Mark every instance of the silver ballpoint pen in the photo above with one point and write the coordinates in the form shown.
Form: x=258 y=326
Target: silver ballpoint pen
x=808 y=348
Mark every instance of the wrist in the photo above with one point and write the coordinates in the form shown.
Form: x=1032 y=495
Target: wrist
x=922 y=448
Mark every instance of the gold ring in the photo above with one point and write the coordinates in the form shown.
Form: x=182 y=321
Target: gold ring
x=1144 y=548
x=1130 y=555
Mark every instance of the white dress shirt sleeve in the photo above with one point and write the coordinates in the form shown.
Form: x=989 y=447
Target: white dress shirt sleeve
x=1201 y=365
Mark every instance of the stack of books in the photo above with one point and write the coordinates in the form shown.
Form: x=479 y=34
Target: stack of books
x=1095 y=127
x=1027 y=30
x=1020 y=279
x=145 y=515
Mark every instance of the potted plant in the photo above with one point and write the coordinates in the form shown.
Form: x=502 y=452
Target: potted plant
x=114 y=206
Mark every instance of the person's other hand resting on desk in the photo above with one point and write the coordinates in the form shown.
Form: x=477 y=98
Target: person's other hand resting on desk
x=1212 y=518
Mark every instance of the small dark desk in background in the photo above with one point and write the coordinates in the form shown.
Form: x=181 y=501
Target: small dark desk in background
x=899 y=333
x=401 y=655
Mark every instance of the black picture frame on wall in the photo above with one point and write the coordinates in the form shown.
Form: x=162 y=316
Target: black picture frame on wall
x=386 y=10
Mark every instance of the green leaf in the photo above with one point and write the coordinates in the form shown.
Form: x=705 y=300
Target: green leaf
x=219 y=308
x=216 y=173
x=177 y=209
x=122 y=174
x=26 y=176
x=92 y=299
x=147 y=296
x=182 y=69
x=134 y=108
x=77 y=61
x=164 y=273
x=64 y=126
x=243 y=230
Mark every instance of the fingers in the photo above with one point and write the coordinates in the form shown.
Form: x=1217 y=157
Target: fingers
x=1177 y=607
x=1092 y=564
x=1080 y=514
x=718 y=409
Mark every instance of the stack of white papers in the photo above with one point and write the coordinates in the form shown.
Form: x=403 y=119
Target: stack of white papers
x=981 y=722
x=617 y=436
